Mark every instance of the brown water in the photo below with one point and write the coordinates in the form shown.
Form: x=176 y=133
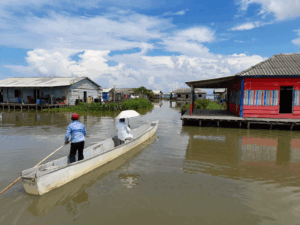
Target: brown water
x=183 y=175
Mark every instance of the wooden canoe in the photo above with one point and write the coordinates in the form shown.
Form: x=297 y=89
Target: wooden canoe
x=44 y=178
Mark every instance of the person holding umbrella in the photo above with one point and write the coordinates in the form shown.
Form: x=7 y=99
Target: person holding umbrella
x=123 y=131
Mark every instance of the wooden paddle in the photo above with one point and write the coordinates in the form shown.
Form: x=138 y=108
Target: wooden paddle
x=34 y=166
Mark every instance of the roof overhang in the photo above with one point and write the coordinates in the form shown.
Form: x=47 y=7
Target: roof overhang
x=221 y=82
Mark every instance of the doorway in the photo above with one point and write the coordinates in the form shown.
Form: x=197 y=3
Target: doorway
x=36 y=95
x=1 y=96
x=286 y=99
x=85 y=96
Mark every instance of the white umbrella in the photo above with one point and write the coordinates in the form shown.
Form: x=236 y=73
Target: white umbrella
x=126 y=114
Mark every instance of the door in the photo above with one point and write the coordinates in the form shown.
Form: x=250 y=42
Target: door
x=1 y=96
x=286 y=99
x=85 y=96
x=104 y=96
x=36 y=95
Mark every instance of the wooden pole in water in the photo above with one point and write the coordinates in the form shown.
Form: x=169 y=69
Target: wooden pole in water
x=34 y=166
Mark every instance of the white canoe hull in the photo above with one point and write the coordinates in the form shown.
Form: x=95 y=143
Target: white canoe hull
x=49 y=181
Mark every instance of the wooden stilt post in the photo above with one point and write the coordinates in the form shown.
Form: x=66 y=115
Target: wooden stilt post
x=7 y=99
x=248 y=125
x=200 y=123
x=292 y=126
x=271 y=126
x=22 y=96
x=192 y=99
x=218 y=123
x=240 y=124
x=7 y=96
x=51 y=96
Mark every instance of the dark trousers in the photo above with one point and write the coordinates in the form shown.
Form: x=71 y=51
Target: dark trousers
x=74 y=147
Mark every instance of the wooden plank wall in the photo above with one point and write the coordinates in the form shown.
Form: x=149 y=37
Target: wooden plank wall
x=271 y=83
x=79 y=88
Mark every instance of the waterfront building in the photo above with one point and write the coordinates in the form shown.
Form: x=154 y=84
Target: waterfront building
x=157 y=94
x=107 y=94
x=166 y=95
x=123 y=93
x=50 y=91
x=219 y=94
x=269 y=89
x=184 y=94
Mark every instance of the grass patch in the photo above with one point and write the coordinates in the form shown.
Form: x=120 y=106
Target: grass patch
x=204 y=104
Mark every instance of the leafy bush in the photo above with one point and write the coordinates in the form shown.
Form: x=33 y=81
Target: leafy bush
x=143 y=90
x=137 y=103
x=201 y=103
x=198 y=104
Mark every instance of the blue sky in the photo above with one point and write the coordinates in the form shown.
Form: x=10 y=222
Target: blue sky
x=159 y=44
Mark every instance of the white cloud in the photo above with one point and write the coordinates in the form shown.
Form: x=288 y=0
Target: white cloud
x=281 y=9
x=114 y=31
x=189 y=41
x=249 y=25
x=156 y=72
x=179 y=13
x=238 y=41
x=56 y=37
x=297 y=40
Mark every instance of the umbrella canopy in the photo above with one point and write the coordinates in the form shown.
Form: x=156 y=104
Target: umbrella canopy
x=128 y=114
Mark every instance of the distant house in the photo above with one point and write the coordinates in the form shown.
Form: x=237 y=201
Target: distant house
x=166 y=95
x=122 y=93
x=219 y=94
x=48 y=90
x=184 y=94
x=107 y=94
x=157 y=93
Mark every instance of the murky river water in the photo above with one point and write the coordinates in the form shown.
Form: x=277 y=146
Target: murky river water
x=183 y=175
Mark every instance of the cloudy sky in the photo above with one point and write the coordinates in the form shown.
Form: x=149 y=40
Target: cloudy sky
x=158 y=44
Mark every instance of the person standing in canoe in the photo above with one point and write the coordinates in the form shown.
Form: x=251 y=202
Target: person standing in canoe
x=123 y=131
x=77 y=132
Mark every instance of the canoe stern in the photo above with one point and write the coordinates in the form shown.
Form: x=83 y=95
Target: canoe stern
x=30 y=186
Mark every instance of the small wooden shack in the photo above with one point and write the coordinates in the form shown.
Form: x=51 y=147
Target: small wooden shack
x=219 y=94
x=184 y=94
x=157 y=94
x=49 y=91
x=107 y=94
x=123 y=93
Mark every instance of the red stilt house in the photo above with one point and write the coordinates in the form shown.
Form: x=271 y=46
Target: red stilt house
x=269 y=89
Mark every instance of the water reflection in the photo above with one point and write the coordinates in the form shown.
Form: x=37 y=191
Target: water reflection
x=240 y=154
x=177 y=104
x=129 y=180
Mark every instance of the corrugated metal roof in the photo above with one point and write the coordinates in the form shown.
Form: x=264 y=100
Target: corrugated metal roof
x=41 y=81
x=278 y=65
x=188 y=90
x=124 y=90
x=157 y=92
x=106 y=89
x=219 y=90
